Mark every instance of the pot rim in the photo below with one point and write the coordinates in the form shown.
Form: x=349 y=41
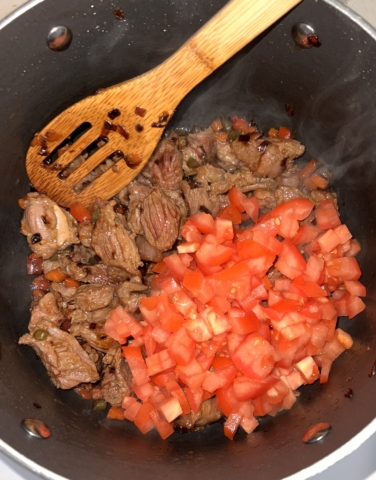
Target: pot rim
x=318 y=467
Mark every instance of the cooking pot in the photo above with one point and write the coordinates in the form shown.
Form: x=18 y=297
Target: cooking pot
x=333 y=93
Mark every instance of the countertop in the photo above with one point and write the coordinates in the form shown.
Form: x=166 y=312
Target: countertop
x=359 y=465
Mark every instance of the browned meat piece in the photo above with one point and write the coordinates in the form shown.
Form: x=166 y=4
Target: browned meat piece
x=165 y=166
x=81 y=254
x=203 y=142
x=318 y=196
x=67 y=364
x=134 y=197
x=130 y=294
x=214 y=179
x=266 y=157
x=266 y=198
x=93 y=334
x=113 y=243
x=95 y=356
x=93 y=297
x=98 y=274
x=197 y=198
x=77 y=315
x=209 y=413
x=246 y=181
x=148 y=252
x=191 y=160
x=85 y=230
x=48 y=227
x=46 y=309
x=226 y=156
x=117 y=378
x=284 y=194
x=160 y=220
x=67 y=293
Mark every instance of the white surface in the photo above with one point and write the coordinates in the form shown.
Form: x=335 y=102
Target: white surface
x=361 y=464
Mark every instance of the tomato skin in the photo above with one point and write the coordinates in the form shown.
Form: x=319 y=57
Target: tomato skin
x=230 y=213
x=80 y=212
x=345 y=268
x=252 y=207
x=254 y=357
x=237 y=199
x=327 y=215
x=291 y=262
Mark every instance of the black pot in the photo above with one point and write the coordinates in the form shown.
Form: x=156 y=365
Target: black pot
x=333 y=92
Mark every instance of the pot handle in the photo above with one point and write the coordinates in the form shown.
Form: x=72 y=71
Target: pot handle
x=233 y=27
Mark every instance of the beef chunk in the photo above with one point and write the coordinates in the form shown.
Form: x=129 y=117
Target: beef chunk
x=160 y=220
x=95 y=337
x=209 y=413
x=226 y=156
x=93 y=297
x=148 y=252
x=48 y=227
x=85 y=231
x=130 y=294
x=165 y=166
x=203 y=142
x=66 y=362
x=117 y=378
x=113 y=243
x=266 y=157
x=197 y=198
x=46 y=309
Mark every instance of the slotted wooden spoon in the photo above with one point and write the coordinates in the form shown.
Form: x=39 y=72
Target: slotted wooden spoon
x=157 y=92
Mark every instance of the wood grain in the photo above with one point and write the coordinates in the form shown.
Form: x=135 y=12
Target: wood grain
x=159 y=90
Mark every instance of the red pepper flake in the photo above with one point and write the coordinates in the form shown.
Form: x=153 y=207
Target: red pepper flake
x=37 y=405
x=133 y=160
x=114 y=113
x=109 y=126
x=141 y=112
x=313 y=40
x=119 y=14
x=289 y=110
x=139 y=127
x=164 y=117
x=66 y=324
x=123 y=131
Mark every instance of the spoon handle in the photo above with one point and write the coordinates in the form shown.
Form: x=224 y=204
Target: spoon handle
x=233 y=27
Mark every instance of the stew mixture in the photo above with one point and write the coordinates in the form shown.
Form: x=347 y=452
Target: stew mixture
x=209 y=287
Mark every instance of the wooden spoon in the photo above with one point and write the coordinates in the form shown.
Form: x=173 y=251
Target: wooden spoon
x=157 y=93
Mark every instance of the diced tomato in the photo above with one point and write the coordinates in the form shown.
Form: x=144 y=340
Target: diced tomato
x=203 y=222
x=195 y=398
x=343 y=233
x=308 y=369
x=120 y=325
x=289 y=213
x=246 y=388
x=191 y=233
x=237 y=199
x=182 y=348
x=143 y=420
x=346 y=268
x=224 y=230
x=252 y=207
x=176 y=266
x=254 y=357
x=355 y=288
x=328 y=241
x=132 y=410
x=232 y=424
x=80 y=212
x=243 y=322
x=306 y=234
x=291 y=262
x=164 y=428
x=198 y=285
x=149 y=309
x=327 y=215
x=213 y=255
x=230 y=213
